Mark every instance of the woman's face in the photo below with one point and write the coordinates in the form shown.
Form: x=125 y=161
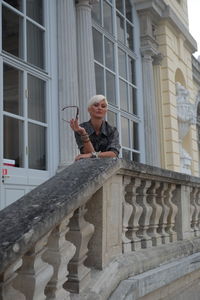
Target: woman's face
x=98 y=110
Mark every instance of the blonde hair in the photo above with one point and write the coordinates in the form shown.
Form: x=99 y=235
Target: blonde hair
x=97 y=99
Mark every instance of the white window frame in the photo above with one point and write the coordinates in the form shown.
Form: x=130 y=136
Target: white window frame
x=49 y=75
x=138 y=71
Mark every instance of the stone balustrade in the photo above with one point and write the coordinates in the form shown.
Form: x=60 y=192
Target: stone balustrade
x=68 y=238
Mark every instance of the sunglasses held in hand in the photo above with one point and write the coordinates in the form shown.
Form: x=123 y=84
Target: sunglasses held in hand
x=68 y=108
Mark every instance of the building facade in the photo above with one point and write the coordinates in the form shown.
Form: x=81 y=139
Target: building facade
x=55 y=54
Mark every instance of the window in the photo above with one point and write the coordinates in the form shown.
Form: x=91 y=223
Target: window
x=24 y=83
x=115 y=69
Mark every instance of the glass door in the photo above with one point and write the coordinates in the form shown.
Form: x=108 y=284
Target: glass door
x=24 y=102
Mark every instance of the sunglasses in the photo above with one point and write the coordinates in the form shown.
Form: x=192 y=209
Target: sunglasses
x=69 y=109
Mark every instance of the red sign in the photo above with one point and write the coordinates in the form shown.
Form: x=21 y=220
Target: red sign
x=4 y=172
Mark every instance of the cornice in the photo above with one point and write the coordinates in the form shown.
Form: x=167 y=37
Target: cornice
x=161 y=11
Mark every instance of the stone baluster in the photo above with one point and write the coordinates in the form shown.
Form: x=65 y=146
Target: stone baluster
x=35 y=272
x=192 y=208
x=79 y=234
x=146 y=214
x=127 y=210
x=155 y=217
x=7 y=280
x=173 y=209
x=195 y=210
x=198 y=216
x=59 y=253
x=165 y=213
x=131 y=197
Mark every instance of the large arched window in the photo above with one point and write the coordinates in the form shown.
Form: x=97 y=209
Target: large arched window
x=115 y=56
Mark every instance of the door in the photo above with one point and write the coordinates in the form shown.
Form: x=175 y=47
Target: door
x=25 y=107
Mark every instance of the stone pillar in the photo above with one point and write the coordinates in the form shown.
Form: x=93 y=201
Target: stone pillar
x=157 y=60
x=85 y=52
x=183 y=222
x=67 y=76
x=150 y=115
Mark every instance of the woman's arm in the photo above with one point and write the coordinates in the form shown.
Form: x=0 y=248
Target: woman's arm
x=87 y=145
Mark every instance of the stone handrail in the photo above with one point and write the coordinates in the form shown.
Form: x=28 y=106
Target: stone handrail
x=79 y=221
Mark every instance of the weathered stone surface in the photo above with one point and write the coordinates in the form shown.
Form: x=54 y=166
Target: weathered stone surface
x=26 y=220
x=129 y=265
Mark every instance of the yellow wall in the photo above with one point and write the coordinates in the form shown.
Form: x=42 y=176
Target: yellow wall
x=176 y=66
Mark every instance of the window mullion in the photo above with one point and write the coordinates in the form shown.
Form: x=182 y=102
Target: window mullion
x=25 y=101
x=24 y=31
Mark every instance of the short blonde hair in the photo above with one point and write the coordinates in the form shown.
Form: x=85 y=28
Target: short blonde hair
x=97 y=99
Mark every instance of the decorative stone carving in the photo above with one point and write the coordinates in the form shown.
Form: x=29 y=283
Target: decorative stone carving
x=127 y=210
x=131 y=197
x=165 y=212
x=155 y=217
x=79 y=234
x=185 y=116
x=146 y=214
x=35 y=273
x=59 y=253
x=7 y=286
x=195 y=210
x=172 y=212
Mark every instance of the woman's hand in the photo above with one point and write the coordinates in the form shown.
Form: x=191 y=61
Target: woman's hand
x=80 y=156
x=75 y=126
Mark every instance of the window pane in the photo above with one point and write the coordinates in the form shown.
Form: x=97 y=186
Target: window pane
x=122 y=63
x=112 y=118
x=120 y=29
x=13 y=140
x=12 y=32
x=125 y=132
x=34 y=10
x=37 y=147
x=35 y=45
x=96 y=12
x=109 y=54
x=99 y=77
x=131 y=67
x=136 y=157
x=129 y=40
x=107 y=17
x=128 y=10
x=133 y=100
x=15 y=3
x=134 y=135
x=110 y=88
x=36 y=98
x=12 y=90
x=126 y=154
x=123 y=95
x=98 y=45
x=119 y=5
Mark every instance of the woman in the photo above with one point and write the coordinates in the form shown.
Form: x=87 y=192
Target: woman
x=96 y=138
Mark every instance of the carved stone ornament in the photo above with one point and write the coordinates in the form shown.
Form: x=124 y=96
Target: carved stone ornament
x=186 y=116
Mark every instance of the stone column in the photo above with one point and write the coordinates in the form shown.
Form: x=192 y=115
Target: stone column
x=85 y=53
x=157 y=60
x=67 y=75
x=150 y=111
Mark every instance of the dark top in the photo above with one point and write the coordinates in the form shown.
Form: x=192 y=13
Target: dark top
x=106 y=140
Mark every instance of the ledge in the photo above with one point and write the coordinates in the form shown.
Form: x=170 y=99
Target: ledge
x=129 y=266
